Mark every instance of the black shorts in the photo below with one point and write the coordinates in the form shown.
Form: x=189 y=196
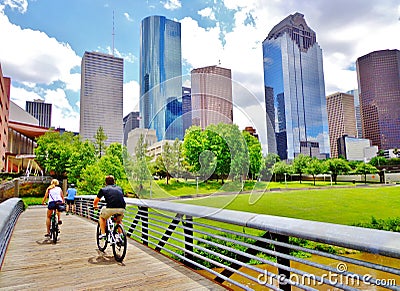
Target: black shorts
x=52 y=205
x=70 y=201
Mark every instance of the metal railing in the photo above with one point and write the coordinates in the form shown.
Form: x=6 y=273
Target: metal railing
x=249 y=251
x=9 y=213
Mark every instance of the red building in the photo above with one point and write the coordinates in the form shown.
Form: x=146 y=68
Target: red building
x=4 y=115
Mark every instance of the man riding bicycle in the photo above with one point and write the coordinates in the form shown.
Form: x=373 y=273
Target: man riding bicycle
x=115 y=203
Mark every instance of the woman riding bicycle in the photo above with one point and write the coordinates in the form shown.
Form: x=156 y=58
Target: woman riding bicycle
x=115 y=203
x=55 y=195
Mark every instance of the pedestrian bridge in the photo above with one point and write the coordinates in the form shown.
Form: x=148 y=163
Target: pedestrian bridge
x=177 y=246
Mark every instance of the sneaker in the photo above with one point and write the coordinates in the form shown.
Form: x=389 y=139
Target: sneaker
x=102 y=237
x=47 y=235
x=67 y=213
x=60 y=222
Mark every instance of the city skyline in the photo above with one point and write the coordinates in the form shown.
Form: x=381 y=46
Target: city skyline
x=227 y=31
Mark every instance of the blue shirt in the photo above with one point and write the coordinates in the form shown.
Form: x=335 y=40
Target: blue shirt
x=71 y=193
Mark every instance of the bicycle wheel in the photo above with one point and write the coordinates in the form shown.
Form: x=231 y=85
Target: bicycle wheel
x=119 y=248
x=54 y=229
x=101 y=243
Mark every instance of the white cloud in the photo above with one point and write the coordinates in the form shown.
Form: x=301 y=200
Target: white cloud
x=45 y=62
x=208 y=13
x=62 y=114
x=200 y=47
x=131 y=97
x=128 y=17
x=20 y=5
x=172 y=4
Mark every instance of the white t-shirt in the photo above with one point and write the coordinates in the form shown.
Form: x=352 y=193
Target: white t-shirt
x=55 y=194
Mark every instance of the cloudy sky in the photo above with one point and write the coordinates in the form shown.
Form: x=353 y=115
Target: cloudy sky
x=42 y=43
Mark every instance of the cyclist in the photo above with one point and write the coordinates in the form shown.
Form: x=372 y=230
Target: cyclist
x=71 y=191
x=55 y=195
x=115 y=203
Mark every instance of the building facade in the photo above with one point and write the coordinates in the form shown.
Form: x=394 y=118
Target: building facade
x=379 y=89
x=130 y=122
x=101 y=96
x=211 y=96
x=293 y=74
x=357 y=111
x=356 y=149
x=186 y=108
x=341 y=119
x=160 y=75
x=41 y=111
x=5 y=84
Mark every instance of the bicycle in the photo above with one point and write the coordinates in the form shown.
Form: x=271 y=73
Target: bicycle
x=115 y=236
x=54 y=229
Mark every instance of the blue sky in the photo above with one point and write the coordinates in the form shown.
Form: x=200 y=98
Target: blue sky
x=43 y=41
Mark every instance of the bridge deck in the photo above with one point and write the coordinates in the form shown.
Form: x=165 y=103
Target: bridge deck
x=32 y=262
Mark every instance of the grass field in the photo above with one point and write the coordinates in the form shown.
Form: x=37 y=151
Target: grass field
x=335 y=205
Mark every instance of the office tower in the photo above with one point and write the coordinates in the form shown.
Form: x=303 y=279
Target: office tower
x=160 y=74
x=341 y=119
x=211 y=96
x=5 y=84
x=130 y=122
x=357 y=111
x=40 y=110
x=101 y=96
x=186 y=108
x=293 y=72
x=173 y=119
x=379 y=88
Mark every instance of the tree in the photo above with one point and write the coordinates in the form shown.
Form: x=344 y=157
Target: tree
x=92 y=180
x=364 y=169
x=140 y=171
x=83 y=155
x=300 y=164
x=314 y=168
x=280 y=168
x=337 y=167
x=99 y=138
x=255 y=155
x=116 y=149
x=267 y=165
x=378 y=161
x=192 y=147
x=53 y=152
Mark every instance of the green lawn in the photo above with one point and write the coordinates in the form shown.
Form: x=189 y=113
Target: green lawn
x=335 y=205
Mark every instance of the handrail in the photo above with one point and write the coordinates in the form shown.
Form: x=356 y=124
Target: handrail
x=9 y=213
x=207 y=238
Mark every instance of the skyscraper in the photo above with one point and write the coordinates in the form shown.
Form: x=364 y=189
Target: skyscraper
x=357 y=111
x=160 y=75
x=341 y=119
x=378 y=75
x=211 y=96
x=293 y=72
x=186 y=108
x=101 y=96
x=130 y=122
x=41 y=111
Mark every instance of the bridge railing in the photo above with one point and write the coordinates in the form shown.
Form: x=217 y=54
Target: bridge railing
x=9 y=213
x=251 y=251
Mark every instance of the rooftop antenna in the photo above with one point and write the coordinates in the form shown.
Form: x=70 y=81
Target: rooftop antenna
x=113 y=35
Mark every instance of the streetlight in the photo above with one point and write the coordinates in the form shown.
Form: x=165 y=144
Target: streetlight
x=285 y=180
x=197 y=185
x=384 y=175
x=330 y=174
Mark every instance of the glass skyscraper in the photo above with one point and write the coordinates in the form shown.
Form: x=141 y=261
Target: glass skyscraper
x=293 y=72
x=160 y=76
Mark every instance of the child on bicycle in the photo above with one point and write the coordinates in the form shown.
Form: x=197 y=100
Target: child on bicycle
x=55 y=195
x=115 y=203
